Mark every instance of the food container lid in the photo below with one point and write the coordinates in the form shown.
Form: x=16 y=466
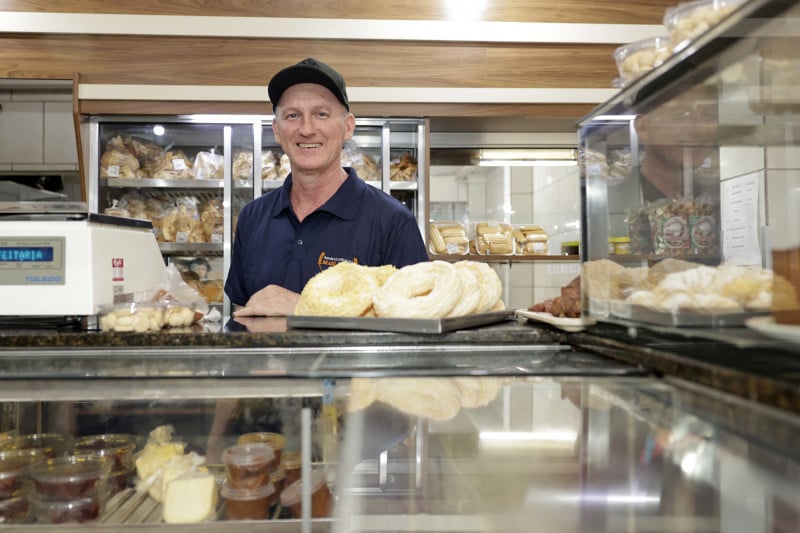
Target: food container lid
x=275 y=440
x=675 y=13
x=278 y=474
x=71 y=469
x=11 y=466
x=248 y=453
x=570 y=243
x=111 y=441
x=291 y=459
x=619 y=240
x=51 y=444
x=63 y=505
x=651 y=43
x=294 y=492
x=264 y=491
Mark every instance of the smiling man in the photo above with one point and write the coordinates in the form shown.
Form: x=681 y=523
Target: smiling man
x=324 y=213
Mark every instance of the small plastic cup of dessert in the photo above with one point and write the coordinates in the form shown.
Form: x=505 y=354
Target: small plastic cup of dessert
x=71 y=477
x=118 y=447
x=247 y=466
x=51 y=444
x=276 y=441
x=247 y=504
x=321 y=497
x=14 y=508
x=85 y=509
x=291 y=464
x=14 y=466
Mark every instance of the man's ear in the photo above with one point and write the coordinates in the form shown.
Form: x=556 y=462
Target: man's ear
x=350 y=126
x=275 y=132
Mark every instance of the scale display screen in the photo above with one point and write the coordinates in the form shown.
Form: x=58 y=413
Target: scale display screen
x=32 y=261
x=26 y=254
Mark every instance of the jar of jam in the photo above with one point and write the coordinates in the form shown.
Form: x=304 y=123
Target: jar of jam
x=247 y=504
x=276 y=441
x=247 y=466
x=321 y=497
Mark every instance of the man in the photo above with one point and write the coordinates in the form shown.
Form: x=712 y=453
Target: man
x=324 y=213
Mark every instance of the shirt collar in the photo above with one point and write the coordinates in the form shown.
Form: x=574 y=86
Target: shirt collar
x=344 y=203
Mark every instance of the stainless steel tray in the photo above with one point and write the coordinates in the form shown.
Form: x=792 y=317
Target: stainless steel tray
x=400 y=325
x=682 y=318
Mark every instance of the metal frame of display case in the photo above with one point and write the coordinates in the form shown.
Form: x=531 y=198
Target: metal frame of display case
x=394 y=133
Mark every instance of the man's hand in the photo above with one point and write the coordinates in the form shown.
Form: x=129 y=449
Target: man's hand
x=272 y=300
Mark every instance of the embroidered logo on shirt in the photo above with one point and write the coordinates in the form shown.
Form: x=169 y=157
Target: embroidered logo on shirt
x=324 y=261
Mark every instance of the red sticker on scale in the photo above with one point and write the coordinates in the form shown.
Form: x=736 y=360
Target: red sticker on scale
x=117 y=273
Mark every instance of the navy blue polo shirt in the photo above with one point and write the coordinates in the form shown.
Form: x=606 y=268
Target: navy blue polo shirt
x=360 y=224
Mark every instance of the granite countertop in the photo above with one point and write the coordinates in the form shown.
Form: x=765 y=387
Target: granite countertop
x=753 y=368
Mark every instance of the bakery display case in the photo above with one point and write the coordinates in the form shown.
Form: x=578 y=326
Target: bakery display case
x=705 y=207
x=506 y=436
x=190 y=176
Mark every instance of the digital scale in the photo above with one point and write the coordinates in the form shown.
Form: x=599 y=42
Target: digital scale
x=58 y=259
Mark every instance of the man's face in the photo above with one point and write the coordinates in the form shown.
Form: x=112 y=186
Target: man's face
x=312 y=125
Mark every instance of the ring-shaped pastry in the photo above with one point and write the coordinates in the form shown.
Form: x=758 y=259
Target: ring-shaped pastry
x=470 y=291
x=345 y=289
x=489 y=282
x=423 y=290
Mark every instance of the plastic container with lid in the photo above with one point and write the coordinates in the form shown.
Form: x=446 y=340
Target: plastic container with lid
x=622 y=245
x=116 y=446
x=247 y=504
x=278 y=480
x=14 y=466
x=276 y=441
x=570 y=248
x=448 y=237
x=71 y=477
x=248 y=465
x=636 y=58
x=291 y=464
x=14 y=508
x=51 y=444
x=79 y=510
x=321 y=497
x=688 y=20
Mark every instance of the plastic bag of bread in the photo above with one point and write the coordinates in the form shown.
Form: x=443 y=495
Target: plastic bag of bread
x=211 y=220
x=242 y=165
x=284 y=167
x=530 y=239
x=364 y=165
x=179 y=223
x=115 y=210
x=403 y=168
x=269 y=165
x=448 y=237
x=118 y=161
x=493 y=238
x=209 y=166
x=172 y=165
x=146 y=151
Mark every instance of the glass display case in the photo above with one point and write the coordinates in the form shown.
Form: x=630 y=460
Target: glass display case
x=476 y=449
x=190 y=176
x=709 y=144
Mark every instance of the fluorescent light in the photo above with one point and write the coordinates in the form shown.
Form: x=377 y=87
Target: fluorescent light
x=507 y=157
x=528 y=436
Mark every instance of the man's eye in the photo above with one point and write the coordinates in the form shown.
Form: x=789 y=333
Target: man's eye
x=290 y=116
x=323 y=114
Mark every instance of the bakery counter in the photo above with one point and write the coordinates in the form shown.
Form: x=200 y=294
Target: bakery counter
x=266 y=347
x=736 y=360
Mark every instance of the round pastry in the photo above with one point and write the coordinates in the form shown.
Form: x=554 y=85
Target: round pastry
x=423 y=290
x=345 y=289
x=435 y=398
x=470 y=291
x=382 y=273
x=490 y=286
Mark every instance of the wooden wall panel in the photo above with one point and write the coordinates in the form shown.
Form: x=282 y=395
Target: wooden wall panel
x=576 y=11
x=223 y=61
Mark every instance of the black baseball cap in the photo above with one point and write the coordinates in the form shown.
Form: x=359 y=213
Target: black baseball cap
x=309 y=70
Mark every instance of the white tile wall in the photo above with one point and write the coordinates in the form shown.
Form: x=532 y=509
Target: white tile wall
x=783 y=157
x=740 y=160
